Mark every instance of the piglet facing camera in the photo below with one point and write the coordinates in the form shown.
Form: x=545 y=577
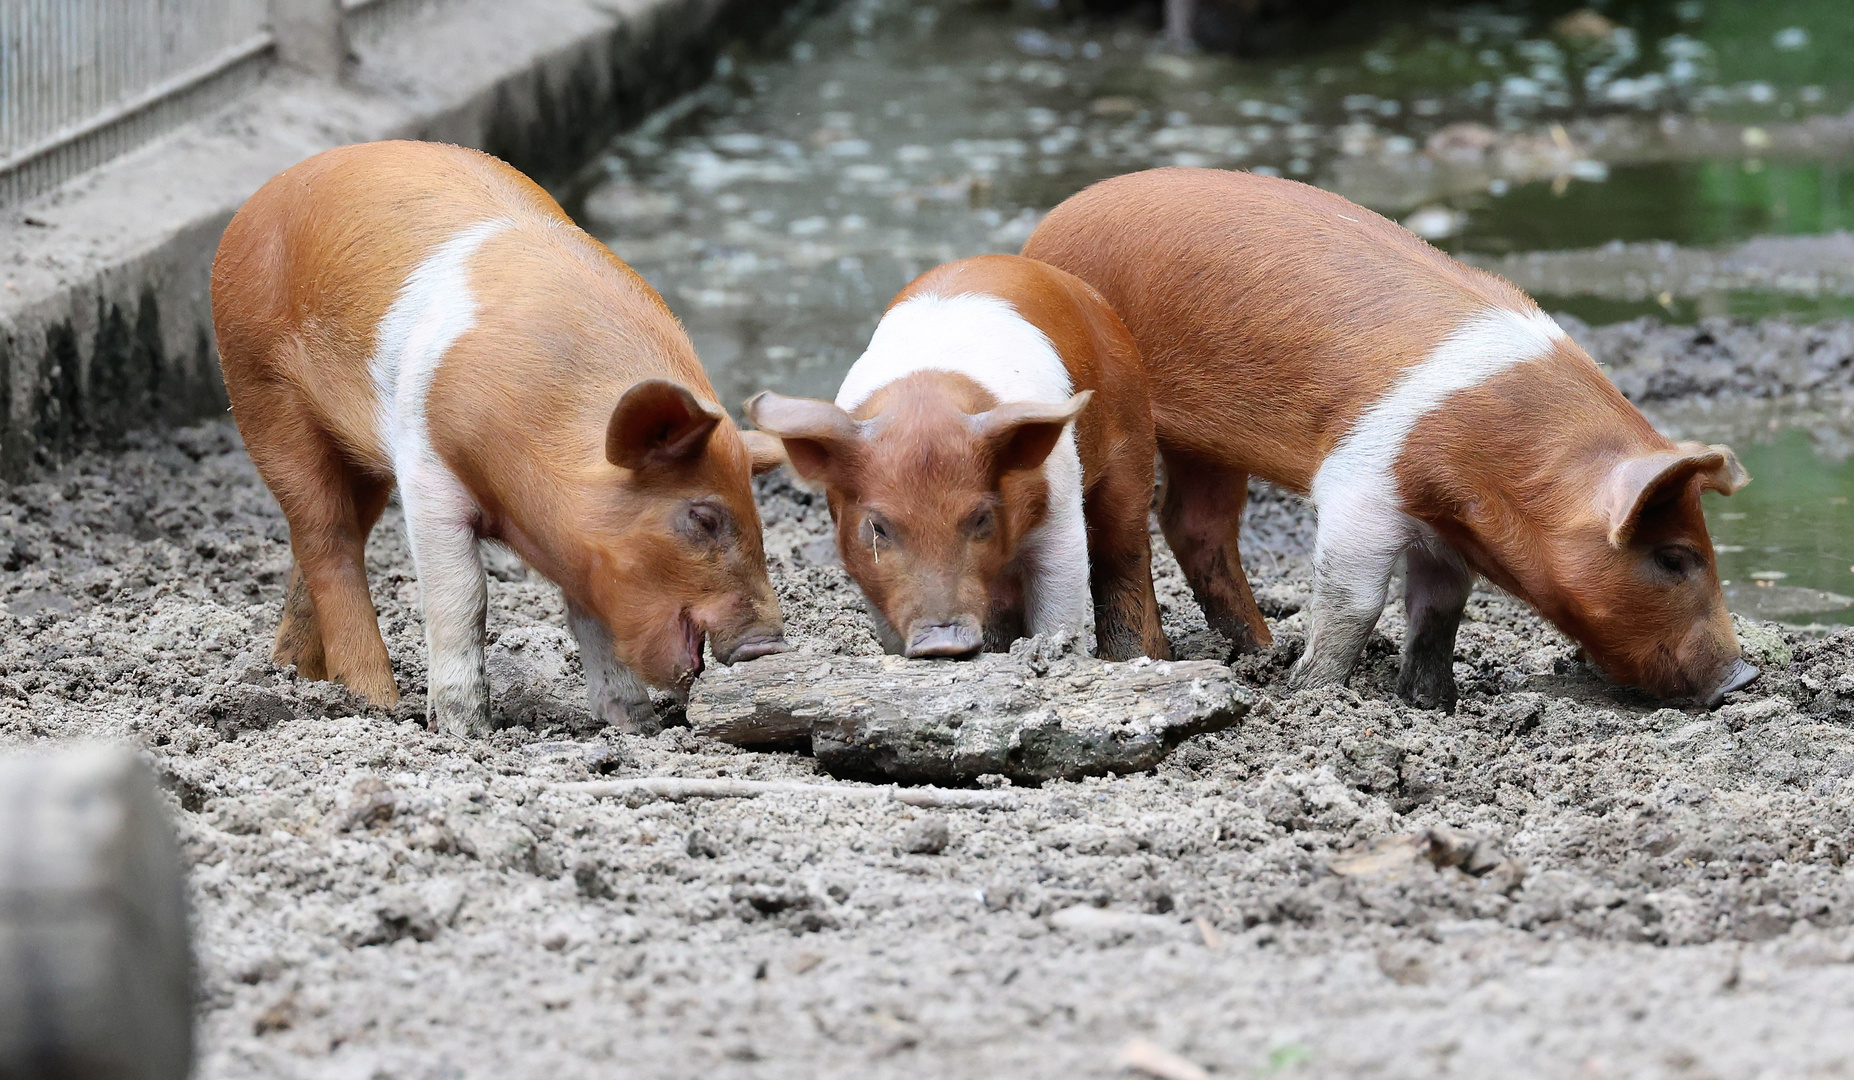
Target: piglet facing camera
x=988 y=463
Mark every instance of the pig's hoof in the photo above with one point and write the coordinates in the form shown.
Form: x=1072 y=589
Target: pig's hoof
x=629 y=717
x=1243 y=641
x=464 y=717
x=1304 y=676
x=1427 y=692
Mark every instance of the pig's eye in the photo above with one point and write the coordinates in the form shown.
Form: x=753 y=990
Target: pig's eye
x=879 y=530
x=981 y=522
x=1674 y=560
x=704 y=521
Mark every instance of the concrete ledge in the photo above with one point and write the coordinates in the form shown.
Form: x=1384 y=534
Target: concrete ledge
x=105 y=321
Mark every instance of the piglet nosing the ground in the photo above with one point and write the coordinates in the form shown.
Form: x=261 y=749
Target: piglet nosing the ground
x=1427 y=409
x=425 y=315
x=987 y=461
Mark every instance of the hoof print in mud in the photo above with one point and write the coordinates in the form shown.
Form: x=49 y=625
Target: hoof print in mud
x=1016 y=715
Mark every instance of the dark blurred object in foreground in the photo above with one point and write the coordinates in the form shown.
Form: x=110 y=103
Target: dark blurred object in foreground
x=96 y=976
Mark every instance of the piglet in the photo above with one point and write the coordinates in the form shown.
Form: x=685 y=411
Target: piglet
x=1429 y=410
x=971 y=505
x=423 y=315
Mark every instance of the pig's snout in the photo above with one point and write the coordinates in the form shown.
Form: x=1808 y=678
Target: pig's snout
x=1740 y=676
x=958 y=639
x=753 y=647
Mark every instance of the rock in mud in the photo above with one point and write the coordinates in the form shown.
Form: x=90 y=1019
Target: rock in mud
x=1021 y=715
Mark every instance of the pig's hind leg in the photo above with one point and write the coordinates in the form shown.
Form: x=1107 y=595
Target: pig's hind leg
x=615 y=693
x=1436 y=586
x=1200 y=514
x=299 y=633
x=329 y=628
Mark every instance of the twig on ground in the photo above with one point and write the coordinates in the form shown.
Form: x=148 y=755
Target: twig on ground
x=1143 y=1056
x=677 y=788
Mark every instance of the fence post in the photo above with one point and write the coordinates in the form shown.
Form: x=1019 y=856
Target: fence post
x=310 y=36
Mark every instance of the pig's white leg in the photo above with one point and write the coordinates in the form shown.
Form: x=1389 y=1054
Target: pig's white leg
x=617 y=696
x=1058 y=595
x=1436 y=586
x=434 y=307
x=440 y=525
x=1353 y=554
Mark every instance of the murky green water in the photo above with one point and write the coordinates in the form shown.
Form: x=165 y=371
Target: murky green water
x=1788 y=538
x=780 y=209
x=1707 y=203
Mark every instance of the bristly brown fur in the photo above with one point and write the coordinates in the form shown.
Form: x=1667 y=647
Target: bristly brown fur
x=519 y=410
x=1270 y=314
x=926 y=470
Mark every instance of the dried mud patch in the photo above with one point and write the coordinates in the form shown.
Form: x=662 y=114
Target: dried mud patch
x=1558 y=877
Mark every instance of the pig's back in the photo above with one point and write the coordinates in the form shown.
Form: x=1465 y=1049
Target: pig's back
x=975 y=334
x=311 y=264
x=375 y=254
x=1269 y=314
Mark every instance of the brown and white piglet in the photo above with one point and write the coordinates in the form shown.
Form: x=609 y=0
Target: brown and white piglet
x=971 y=503
x=1428 y=409
x=423 y=315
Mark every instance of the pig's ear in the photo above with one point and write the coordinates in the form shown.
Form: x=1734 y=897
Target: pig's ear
x=658 y=422
x=820 y=440
x=1639 y=483
x=767 y=451
x=1023 y=433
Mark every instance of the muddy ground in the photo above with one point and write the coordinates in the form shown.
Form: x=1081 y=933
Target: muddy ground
x=1560 y=879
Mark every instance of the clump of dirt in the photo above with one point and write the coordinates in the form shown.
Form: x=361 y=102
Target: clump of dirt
x=1559 y=873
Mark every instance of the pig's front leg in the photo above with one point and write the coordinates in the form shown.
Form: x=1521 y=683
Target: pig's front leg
x=1436 y=586
x=1352 y=559
x=614 y=692
x=440 y=524
x=1058 y=595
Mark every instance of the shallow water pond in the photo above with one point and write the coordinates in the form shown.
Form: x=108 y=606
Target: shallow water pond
x=1785 y=543
x=779 y=209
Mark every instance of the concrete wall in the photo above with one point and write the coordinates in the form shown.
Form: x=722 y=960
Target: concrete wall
x=105 y=323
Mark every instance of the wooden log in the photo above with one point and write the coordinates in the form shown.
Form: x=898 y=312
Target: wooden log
x=1023 y=715
x=96 y=976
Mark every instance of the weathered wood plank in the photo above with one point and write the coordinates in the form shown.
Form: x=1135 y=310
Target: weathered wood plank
x=1022 y=715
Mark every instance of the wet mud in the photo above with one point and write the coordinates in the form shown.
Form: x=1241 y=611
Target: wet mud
x=1561 y=878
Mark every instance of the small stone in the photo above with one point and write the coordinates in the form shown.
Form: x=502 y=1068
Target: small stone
x=1403 y=966
x=703 y=845
x=589 y=878
x=927 y=836
x=281 y=1016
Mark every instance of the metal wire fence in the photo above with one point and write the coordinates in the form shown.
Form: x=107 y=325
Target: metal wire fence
x=84 y=80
